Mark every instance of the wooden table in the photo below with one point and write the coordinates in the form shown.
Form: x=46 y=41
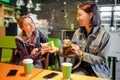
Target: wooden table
x=37 y=74
x=59 y=77
x=4 y=69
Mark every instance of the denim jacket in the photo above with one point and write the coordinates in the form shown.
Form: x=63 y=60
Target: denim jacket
x=94 y=48
x=23 y=48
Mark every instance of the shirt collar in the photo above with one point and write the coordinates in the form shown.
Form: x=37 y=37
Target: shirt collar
x=93 y=33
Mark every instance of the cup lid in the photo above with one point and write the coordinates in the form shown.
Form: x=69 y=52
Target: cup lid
x=27 y=61
x=67 y=64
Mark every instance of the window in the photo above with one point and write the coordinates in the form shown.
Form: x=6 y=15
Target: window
x=106 y=15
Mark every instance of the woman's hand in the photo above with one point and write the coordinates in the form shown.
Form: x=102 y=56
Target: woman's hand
x=44 y=49
x=50 y=46
x=75 y=49
x=34 y=50
x=53 y=49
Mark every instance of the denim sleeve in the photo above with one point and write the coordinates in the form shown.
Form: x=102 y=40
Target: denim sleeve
x=100 y=57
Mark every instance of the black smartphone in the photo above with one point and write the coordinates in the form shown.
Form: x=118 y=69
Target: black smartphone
x=50 y=75
x=12 y=72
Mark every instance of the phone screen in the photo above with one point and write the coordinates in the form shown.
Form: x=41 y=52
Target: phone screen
x=12 y=72
x=51 y=75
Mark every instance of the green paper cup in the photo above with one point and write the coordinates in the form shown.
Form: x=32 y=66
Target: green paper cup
x=72 y=26
x=66 y=70
x=28 y=66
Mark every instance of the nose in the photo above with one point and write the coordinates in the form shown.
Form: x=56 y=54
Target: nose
x=77 y=18
x=32 y=28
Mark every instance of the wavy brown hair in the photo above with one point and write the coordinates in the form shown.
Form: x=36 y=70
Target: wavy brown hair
x=20 y=21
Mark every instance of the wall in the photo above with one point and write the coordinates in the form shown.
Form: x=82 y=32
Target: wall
x=59 y=14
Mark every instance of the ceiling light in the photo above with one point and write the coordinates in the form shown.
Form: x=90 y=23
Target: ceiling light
x=38 y=7
x=20 y=3
x=30 y=4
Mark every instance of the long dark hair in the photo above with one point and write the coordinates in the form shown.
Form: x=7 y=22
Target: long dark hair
x=91 y=7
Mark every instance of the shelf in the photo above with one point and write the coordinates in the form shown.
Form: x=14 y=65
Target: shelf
x=6 y=11
x=8 y=8
x=108 y=24
x=69 y=30
x=67 y=34
x=110 y=19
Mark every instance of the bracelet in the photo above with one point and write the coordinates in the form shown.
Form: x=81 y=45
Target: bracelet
x=78 y=52
x=81 y=56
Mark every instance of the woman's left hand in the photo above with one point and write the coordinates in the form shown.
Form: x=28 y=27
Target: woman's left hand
x=75 y=49
x=44 y=49
x=53 y=49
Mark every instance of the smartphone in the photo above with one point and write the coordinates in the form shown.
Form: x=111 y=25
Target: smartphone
x=12 y=72
x=50 y=75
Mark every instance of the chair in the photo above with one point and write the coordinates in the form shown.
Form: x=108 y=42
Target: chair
x=112 y=60
x=7 y=46
x=57 y=43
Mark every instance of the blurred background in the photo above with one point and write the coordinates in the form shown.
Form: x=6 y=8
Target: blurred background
x=55 y=17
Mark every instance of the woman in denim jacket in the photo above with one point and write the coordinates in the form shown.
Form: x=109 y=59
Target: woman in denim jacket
x=91 y=41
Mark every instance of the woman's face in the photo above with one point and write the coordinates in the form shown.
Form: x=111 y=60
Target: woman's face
x=28 y=26
x=83 y=18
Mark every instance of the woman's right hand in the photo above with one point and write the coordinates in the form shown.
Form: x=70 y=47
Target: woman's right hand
x=34 y=50
x=44 y=49
x=53 y=49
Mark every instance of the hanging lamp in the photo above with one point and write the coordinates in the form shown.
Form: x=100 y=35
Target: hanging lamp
x=30 y=4
x=38 y=7
x=20 y=3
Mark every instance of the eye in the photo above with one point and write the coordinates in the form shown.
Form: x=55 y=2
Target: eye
x=79 y=15
x=27 y=24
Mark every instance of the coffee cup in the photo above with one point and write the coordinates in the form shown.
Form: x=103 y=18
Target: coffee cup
x=72 y=26
x=28 y=65
x=66 y=70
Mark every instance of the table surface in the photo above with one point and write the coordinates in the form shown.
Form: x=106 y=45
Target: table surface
x=59 y=76
x=4 y=69
x=37 y=74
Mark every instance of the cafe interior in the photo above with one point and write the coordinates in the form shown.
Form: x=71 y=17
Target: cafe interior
x=56 y=19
